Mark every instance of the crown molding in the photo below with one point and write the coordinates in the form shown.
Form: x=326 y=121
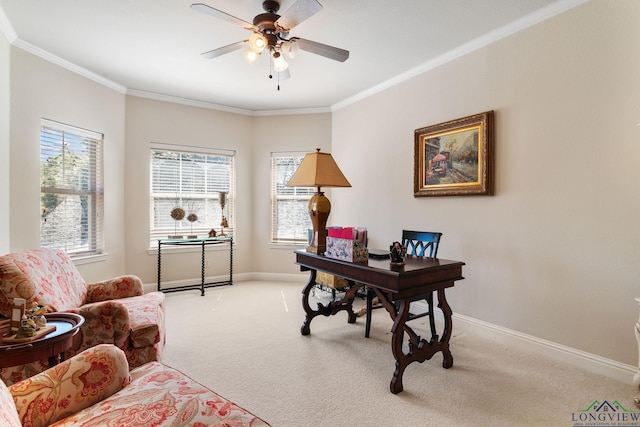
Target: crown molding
x=480 y=42
x=187 y=101
x=219 y=107
x=47 y=56
x=6 y=27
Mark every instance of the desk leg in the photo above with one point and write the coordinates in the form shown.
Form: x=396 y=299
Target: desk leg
x=333 y=307
x=419 y=349
x=447 y=360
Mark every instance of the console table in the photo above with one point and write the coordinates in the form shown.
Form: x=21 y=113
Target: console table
x=418 y=276
x=203 y=243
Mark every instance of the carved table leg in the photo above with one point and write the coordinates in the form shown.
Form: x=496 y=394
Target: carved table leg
x=305 y=329
x=447 y=357
x=333 y=307
x=402 y=361
x=419 y=349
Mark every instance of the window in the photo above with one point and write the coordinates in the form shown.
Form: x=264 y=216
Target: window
x=71 y=189
x=197 y=181
x=289 y=205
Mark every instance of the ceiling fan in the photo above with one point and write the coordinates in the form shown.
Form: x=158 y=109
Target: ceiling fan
x=271 y=33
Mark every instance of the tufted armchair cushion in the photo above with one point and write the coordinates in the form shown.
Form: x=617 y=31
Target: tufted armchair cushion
x=116 y=310
x=96 y=388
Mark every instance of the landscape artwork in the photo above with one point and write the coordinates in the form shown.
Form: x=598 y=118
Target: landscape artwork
x=455 y=158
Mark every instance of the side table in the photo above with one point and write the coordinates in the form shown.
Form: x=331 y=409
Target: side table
x=50 y=346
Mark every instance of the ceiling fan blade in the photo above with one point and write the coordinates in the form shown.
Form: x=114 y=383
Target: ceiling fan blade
x=225 y=49
x=301 y=10
x=201 y=7
x=325 y=50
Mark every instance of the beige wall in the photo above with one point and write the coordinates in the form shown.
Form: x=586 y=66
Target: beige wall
x=5 y=90
x=554 y=253
x=40 y=89
x=303 y=132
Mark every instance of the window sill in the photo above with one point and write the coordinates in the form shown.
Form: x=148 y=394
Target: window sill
x=287 y=246
x=89 y=259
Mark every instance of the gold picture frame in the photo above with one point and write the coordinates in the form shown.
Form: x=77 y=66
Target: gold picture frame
x=454 y=158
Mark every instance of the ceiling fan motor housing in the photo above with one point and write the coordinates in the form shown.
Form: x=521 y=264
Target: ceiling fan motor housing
x=265 y=22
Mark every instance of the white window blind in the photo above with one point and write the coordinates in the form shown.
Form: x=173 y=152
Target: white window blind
x=71 y=189
x=289 y=205
x=195 y=180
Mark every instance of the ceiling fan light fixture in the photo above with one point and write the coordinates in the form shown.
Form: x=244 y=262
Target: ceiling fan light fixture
x=250 y=56
x=279 y=63
x=290 y=48
x=257 y=42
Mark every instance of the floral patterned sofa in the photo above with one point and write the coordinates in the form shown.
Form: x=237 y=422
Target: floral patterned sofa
x=116 y=311
x=96 y=388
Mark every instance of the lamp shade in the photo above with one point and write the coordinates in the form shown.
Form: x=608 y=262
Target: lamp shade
x=318 y=170
x=257 y=42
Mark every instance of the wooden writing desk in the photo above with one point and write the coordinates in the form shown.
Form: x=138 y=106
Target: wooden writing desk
x=417 y=277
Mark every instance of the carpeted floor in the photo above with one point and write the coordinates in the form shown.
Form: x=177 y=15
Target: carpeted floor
x=244 y=342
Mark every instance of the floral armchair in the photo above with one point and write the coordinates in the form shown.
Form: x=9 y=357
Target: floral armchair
x=116 y=311
x=96 y=388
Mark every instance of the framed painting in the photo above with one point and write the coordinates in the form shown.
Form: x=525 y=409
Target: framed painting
x=454 y=158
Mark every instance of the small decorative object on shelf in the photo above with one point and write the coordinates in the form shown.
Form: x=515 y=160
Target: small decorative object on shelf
x=33 y=323
x=37 y=312
x=192 y=217
x=178 y=215
x=397 y=253
x=28 y=328
x=222 y=195
x=16 y=314
x=212 y=233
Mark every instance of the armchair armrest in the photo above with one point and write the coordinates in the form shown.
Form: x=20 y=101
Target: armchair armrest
x=71 y=386
x=118 y=287
x=105 y=322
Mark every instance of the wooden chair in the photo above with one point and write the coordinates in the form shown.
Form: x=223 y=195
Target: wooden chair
x=417 y=243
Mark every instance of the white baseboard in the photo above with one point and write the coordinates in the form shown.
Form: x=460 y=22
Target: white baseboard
x=558 y=352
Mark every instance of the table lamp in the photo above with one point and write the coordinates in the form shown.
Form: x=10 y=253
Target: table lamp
x=318 y=170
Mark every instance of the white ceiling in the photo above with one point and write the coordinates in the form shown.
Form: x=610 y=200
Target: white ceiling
x=153 y=47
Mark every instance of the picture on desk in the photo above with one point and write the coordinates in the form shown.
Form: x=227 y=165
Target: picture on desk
x=455 y=158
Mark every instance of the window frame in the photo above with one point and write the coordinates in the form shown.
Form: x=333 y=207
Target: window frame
x=83 y=151
x=211 y=205
x=296 y=194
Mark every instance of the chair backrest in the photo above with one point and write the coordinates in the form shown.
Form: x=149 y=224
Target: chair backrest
x=44 y=275
x=421 y=243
